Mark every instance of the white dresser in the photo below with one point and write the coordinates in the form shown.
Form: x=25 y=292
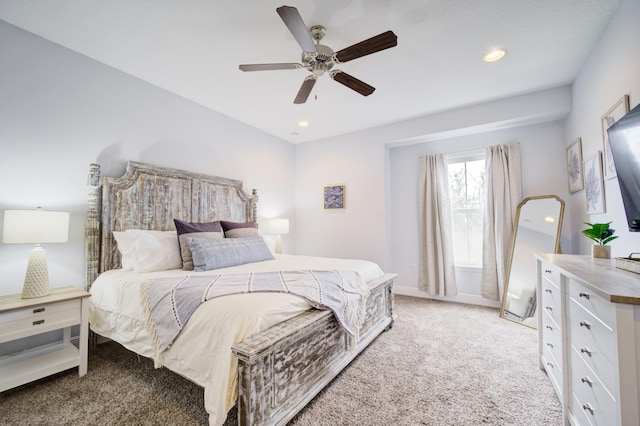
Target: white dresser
x=589 y=338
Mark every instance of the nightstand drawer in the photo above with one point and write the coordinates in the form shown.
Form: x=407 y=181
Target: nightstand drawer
x=39 y=310
x=26 y=322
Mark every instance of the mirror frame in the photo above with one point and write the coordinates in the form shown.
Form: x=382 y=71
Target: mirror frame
x=556 y=248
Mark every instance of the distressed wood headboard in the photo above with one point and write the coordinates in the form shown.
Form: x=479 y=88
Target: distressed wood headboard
x=150 y=197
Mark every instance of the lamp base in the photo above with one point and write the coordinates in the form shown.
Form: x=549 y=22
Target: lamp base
x=36 y=280
x=278 y=248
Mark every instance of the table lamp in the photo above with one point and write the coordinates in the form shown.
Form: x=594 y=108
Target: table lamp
x=277 y=227
x=35 y=227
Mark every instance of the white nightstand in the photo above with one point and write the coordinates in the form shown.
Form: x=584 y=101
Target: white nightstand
x=19 y=318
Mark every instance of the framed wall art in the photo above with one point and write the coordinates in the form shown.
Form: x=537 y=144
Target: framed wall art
x=614 y=114
x=334 y=197
x=574 y=166
x=594 y=184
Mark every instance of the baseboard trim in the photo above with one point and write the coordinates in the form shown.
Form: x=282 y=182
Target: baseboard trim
x=469 y=299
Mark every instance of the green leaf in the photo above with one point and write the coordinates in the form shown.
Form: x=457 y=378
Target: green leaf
x=599 y=232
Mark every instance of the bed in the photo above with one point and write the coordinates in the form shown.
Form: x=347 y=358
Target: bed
x=285 y=352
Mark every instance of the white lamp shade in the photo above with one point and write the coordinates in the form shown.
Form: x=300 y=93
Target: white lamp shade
x=35 y=227
x=276 y=226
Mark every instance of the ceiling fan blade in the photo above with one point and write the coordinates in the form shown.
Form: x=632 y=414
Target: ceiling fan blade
x=372 y=45
x=352 y=83
x=269 y=67
x=305 y=90
x=298 y=28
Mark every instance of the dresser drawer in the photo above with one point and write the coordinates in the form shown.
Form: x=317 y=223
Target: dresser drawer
x=551 y=273
x=598 y=405
x=579 y=413
x=552 y=339
x=551 y=300
x=592 y=302
x=26 y=322
x=586 y=330
x=598 y=363
x=553 y=369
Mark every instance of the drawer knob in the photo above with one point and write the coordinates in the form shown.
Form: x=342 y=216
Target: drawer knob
x=550 y=364
x=38 y=310
x=548 y=290
x=549 y=308
x=587 y=380
x=550 y=345
x=550 y=327
x=38 y=322
x=587 y=407
x=548 y=271
x=585 y=324
x=585 y=295
x=585 y=350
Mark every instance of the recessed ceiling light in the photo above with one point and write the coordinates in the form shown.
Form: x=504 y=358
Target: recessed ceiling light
x=549 y=219
x=495 y=55
x=303 y=123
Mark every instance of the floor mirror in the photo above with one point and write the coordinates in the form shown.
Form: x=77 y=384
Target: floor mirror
x=538 y=226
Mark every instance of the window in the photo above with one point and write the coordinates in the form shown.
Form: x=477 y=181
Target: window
x=466 y=194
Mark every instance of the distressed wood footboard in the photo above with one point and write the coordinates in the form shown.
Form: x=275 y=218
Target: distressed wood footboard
x=281 y=369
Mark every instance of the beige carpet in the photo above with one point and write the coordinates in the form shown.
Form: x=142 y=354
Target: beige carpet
x=441 y=364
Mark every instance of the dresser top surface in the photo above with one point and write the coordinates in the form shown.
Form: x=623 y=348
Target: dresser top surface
x=614 y=284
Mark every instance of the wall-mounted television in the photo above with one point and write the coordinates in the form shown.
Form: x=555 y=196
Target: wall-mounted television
x=624 y=138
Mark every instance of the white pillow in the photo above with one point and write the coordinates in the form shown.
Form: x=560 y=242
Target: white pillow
x=124 y=241
x=148 y=251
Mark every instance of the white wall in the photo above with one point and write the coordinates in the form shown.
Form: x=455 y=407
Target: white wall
x=380 y=220
x=543 y=172
x=364 y=161
x=61 y=111
x=356 y=231
x=612 y=70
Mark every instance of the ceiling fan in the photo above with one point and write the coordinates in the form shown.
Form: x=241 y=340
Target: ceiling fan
x=319 y=58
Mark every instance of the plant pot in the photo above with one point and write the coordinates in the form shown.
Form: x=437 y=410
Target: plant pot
x=601 y=251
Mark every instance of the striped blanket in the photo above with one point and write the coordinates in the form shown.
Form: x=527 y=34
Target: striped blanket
x=169 y=302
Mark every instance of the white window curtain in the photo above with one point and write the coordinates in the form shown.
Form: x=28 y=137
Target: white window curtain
x=504 y=193
x=436 y=265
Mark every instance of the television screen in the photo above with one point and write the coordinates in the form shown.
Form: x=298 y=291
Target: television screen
x=624 y=138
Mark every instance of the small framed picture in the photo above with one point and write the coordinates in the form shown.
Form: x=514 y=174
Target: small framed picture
x=574 y=166
x=594 y=184
x=614 y=114
x=334 y=197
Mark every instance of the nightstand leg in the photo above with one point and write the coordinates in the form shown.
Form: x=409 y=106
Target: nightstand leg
x=84 y=338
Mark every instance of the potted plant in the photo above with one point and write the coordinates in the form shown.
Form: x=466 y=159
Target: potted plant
x=601 y=234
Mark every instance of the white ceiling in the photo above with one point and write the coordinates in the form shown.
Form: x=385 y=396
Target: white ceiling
x=193 y=48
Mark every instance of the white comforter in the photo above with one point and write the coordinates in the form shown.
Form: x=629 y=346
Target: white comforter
x=202 y=351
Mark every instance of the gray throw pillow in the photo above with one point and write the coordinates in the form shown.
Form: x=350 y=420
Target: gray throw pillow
x=185 y=230
x=239 y=229
x=211 y=254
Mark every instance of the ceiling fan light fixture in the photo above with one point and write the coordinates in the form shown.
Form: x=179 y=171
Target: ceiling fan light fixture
x=495 y=55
